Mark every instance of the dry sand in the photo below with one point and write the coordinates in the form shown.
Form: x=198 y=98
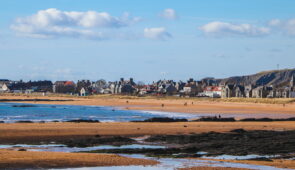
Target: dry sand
x=26 y=159
x=173 y=105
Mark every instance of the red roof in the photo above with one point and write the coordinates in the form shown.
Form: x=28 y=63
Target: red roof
x=69 y=83
x=212 y=88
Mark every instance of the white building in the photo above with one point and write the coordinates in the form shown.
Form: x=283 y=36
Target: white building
x=213 y=91
x=4 y=88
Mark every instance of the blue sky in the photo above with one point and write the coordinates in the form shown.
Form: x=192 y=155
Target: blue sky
x=147 y=40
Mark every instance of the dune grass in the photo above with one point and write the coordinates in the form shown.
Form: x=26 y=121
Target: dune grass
x=131 y=97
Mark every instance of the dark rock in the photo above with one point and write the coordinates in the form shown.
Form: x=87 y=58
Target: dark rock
x=25 y=105
x=266 y=119
x=24 y=121
x=238 y=131
x=215 y=119
x=83 y=121
x=98 y=140
x=163 y=119
x=237 y=142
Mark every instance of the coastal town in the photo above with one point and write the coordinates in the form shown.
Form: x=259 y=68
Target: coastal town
x=207 y=87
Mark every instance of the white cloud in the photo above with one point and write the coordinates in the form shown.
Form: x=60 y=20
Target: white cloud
x=285 y=26
x=55 y=23
x=157 y=33
x=169 y=14
x=274 y=22
x=220 y=29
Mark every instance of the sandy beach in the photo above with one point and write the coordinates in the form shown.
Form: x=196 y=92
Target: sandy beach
x=46 y=132
x=15 y=133
x=26 y=159
x=181 y=105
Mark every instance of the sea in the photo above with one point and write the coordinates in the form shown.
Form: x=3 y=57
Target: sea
x=13 y=112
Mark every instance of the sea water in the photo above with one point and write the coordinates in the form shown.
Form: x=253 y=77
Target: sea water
x=12 y=112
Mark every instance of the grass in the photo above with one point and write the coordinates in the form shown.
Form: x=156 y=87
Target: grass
x=238 y=100
x=260 y=100
x=129 y=97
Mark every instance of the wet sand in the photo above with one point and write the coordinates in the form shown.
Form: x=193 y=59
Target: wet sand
x=237 y=109
x=26 y=159
x=30 y=132
x=279 y=163
x=212 y=168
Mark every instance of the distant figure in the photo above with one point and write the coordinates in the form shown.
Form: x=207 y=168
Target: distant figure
x=185 y=103
x=284 y=105
x=127 y=101
x=162 y=105
x=192 y=103
x=219 y=117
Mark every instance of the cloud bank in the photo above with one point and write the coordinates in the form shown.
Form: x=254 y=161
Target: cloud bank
x=169 y=14
x=53 y=22
x=285 y=26
x=159 y=33
x=220 y=29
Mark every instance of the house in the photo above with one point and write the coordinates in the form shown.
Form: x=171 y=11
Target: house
x=18 y=87
x=166 y=87
x=261 y=91
x=191 y=88
x=248 y=91
x=4 y=88
x=239 y=91
x=100 y=87
x=147 y=89
x=84 y=92
x=40 y=86
x=64 y=87
x=170 y=89
x=228 y=91
x=179 y=85
x=122 y=86
x=213 y=91
x=86 y=84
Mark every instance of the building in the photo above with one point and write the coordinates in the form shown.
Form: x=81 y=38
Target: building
x=227 y=91
x=213 y=91
x=68 y=87
x=4 y=88
x=123 y=86
x=83 y=92
x=261 y=91
x=239 y=91
x=248 y=91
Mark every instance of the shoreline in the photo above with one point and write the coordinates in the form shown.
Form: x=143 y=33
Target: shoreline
x=238 y=109
x=34 y=133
